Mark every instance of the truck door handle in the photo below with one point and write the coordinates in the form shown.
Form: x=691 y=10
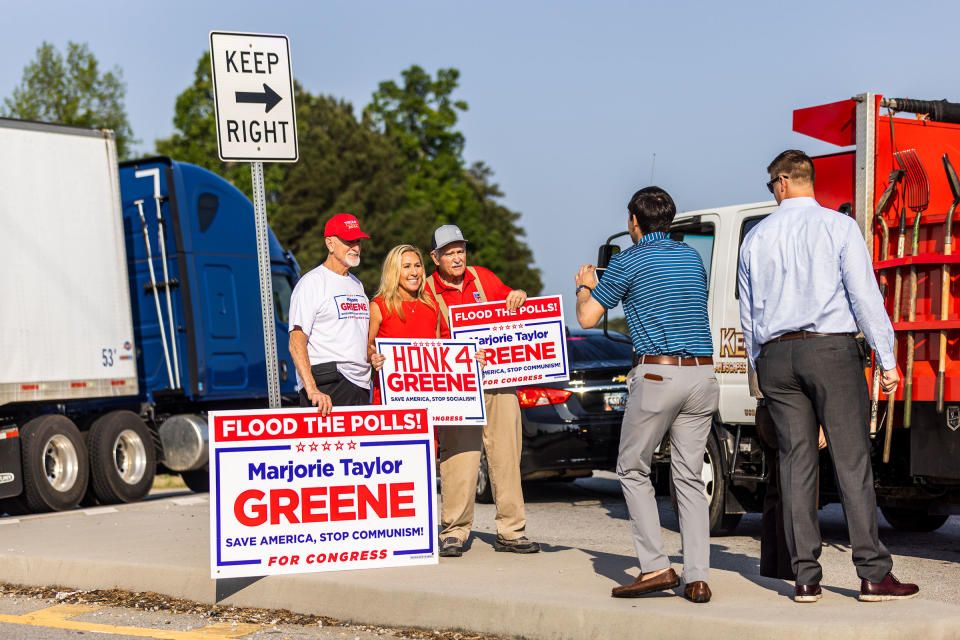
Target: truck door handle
x=283 y=371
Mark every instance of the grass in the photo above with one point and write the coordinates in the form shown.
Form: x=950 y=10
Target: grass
x=168 y=481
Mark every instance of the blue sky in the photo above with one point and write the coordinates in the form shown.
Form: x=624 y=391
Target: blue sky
x=568 y=100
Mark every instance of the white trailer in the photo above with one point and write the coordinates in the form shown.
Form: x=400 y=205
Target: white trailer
x=66 y=330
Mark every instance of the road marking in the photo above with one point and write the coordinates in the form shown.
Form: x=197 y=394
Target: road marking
x=95 y=511
x=191 y=500
x=9 y=520
x=57 y=617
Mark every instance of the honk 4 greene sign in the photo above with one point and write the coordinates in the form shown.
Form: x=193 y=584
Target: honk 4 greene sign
x=253 y=97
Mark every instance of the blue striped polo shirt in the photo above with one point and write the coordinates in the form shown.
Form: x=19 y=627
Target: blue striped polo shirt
x=663 y=286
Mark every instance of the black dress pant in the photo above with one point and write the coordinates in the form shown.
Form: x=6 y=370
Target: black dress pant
x=811 y=382
x=342 y=392
x=775 y=561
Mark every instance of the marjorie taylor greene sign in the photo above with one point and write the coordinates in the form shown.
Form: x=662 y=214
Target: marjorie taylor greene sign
x=523 y=346
x=292 y=491
x=440 y=374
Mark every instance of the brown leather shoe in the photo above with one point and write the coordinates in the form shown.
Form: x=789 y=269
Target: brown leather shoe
x=887 y=589
x=660 y=582
x=697 y=592
x=807 y=592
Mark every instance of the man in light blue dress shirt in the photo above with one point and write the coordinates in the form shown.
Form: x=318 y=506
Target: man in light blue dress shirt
x=807 y=287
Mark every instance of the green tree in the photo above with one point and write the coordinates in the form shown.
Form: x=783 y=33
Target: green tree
x=71 y=90
x=344 y=166
x=420 y=118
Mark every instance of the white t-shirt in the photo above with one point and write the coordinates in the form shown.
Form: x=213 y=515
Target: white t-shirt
x=334 y=312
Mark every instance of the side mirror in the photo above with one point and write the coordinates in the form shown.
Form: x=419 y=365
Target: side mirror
x=607 y=251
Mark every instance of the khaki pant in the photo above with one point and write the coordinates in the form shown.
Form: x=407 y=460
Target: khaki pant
x=459 y=454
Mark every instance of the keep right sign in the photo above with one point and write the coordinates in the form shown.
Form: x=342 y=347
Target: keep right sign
x=253 y=97
x=522 y=347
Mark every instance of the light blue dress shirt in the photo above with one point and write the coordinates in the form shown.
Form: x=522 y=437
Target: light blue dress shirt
x=806 y=268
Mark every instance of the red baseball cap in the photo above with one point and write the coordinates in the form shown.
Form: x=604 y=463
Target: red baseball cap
x=344 y=226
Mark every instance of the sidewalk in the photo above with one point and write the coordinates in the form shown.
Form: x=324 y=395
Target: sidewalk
x=163 y=546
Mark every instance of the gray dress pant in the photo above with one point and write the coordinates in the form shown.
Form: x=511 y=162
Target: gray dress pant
x=683 y=400
x=811 y=382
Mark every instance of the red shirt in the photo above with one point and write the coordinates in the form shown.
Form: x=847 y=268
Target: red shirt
x=420 y=320
x=493 y=288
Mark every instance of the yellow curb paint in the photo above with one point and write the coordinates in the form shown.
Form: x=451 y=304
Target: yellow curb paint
x=57 y=617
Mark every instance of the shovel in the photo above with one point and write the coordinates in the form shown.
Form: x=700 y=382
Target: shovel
x=945 y=277
x=895 y=176
x=918 y=197
x=897 y=286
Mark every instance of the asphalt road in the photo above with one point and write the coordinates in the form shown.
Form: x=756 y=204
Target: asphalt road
x=586 y=514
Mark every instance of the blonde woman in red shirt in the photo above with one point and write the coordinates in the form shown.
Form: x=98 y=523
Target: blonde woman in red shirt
x=401 y=308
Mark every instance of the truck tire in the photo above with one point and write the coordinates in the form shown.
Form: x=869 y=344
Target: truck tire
x=123 y=459
x=715 y=486
x=911 y=519
x=55 y=465
x=484 y=490
x=198 y=480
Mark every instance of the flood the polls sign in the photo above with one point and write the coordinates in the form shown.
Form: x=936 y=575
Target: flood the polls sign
x=523 y=346
x=440 y=374
x=292 y=491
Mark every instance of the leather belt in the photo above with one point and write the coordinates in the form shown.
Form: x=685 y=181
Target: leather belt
x=803 y=335
x=675 y=361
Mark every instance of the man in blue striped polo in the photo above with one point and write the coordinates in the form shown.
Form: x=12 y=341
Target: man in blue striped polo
x=663 y=286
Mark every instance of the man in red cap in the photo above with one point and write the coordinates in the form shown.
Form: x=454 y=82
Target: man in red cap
x=329 y=320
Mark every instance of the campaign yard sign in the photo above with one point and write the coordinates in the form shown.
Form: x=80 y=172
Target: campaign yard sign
x=292 y=491
x=440 y=374
x=523 y=346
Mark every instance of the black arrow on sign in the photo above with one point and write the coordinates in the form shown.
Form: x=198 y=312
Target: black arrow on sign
x=269 y=97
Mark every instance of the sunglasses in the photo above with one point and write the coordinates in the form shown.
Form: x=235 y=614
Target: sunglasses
x=773 y=182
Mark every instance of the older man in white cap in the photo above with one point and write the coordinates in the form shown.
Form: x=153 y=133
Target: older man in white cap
x=459 y=447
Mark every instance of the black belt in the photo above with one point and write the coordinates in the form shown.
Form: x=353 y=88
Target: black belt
x=804 y=335
x=675 y=361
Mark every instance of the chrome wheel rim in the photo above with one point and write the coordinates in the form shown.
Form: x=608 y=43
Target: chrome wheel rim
x=706 y=475
x=61 y=464
x=129 y=456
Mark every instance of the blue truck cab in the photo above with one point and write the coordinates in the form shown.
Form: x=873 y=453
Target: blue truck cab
x=215 y=350
x=97 y=426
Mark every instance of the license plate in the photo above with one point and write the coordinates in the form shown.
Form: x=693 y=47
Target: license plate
x=614 y=400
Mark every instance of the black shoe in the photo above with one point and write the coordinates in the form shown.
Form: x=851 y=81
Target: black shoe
x=887 y=589
x=451 y=548
x=520 y=545
x=807 y=592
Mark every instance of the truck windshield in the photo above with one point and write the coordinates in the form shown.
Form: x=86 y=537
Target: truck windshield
x=282 y=288
x=698 y=236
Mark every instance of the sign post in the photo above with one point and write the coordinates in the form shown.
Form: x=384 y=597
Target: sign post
x=256 y=122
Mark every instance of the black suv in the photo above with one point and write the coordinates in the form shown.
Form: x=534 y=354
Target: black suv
x=573 y=427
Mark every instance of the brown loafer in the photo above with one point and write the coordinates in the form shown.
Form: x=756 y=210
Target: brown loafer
x=887 y=589
x=660 y=582
x=807 y=592
x=697 y=592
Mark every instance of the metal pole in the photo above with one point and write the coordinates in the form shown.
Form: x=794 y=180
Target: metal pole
x=156 y=292
x=266 y=284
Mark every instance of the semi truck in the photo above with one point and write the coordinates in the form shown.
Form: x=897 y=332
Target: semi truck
x=129 y=308
x=896 y=177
